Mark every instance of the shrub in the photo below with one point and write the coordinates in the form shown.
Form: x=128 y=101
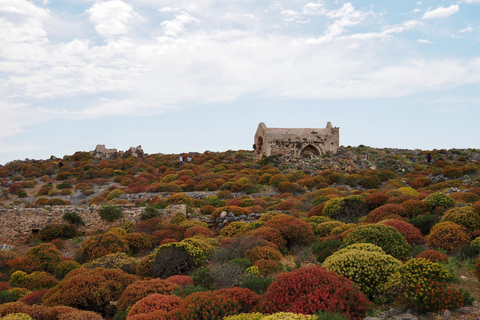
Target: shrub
x=140 y=241
x=439 y=200
x=80 y=315
x=267 y=266
x=411 y=233
x=34 y=297
x=425 y=222
x=388 y=211
x=17 y=316
x=433 y=256
x=324 y=229
x=227 y=275
x=205 y=305
x=324 y=249
x=56 y=231
x=113 y=261
x=256 y=284
x=387 y=238
x=114 y=194
x=376 y=200
x=333 y=207
x=270 y=234
x=97 y=200
x=110 y=213
x=267 y=253
x=245 y=297
x=293 y=230
x=143 y=288
x=308 y=290
x=419 y=283
x=101 y=245
x=463 y=216
x=73 y=218
x=414 y=208
x=369 y=269
x=447 y=235
x=155 y=302
x=181 y=280
x=64 y=267
x=81 y=288
x=43 y=257
x=18 y=278
x=234 y=228
x=56 y=202
x=40 y=280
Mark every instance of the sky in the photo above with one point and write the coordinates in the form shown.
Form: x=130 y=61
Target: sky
x=189 y=76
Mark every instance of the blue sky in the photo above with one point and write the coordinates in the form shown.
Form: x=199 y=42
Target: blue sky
x=187 y=75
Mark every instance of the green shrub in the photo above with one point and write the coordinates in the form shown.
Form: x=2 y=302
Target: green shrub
x=439 y=200
x=57 y=232
x=324 y=249
x=114 y=194
x=333 y=207
x=387 y=238
x=425 y=222
x=110 y=213
x=73 y=218
x=256 y=284
x=150 y=212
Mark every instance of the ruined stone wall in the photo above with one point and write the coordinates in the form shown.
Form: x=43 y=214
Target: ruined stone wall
x=18 y=224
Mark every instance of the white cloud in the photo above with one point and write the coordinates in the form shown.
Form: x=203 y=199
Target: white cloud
x=472 y=1
x=424 y=41
x=441 y=12
x=113 y=17
x=177 y=25
x=467 y=29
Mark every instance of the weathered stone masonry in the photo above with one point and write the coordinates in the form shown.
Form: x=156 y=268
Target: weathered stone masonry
x=18 y=224
x=295 y=142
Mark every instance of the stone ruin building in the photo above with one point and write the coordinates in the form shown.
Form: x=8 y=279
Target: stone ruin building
x=295 y=142
x=103 y=153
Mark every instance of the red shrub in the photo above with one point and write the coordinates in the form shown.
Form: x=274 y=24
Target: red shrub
x=308 y=290
x=80 y=315
x=293 y=230
x=400 y=199
x=205 y=305
x=181 y=280
x=388 y=211
x=193 y=231
x=247 y=298
x=33 y=298
x=155 y=302
x=317 y=210
x=376 y=200
x=141 y=289
x=433 y=256
x=420 y=182
x=465 y=197
x=270 y=234
x=170 y=231
x=149 y=226
x=414 y=208
x=4 y=286
x=234 y=202
x=81 y=288
x=411 y=233
x=285 y=204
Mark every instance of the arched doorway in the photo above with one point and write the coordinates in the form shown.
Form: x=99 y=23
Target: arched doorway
x=259 y=143
x=309 y=151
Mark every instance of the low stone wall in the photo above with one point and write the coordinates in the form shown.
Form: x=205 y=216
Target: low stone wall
x=18 y=224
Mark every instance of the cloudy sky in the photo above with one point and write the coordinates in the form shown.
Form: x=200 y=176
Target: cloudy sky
x=188 y=75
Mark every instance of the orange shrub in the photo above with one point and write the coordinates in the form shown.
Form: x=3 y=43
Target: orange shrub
x=245 y=297
x=193 y=231
x=205 y=305
x=81 y=288
x=414 y=208
x=265 y=253
x=143 y=288
x=181 y=280
x=155 y=302
x=376 y=200
x=270 y=234
x=101 y=245
x=433 y=256
x=447 y=235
